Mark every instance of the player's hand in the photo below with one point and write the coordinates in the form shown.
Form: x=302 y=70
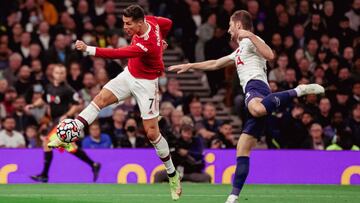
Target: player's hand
x=80 y=45
x=165 y=44
x=180 y=68
x=244 y=34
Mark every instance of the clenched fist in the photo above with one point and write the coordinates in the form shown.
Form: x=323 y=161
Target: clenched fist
x=80 y=45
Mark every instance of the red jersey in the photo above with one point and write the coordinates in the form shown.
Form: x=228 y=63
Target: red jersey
x=145 y=52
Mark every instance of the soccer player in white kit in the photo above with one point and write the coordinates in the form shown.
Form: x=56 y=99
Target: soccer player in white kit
x=250 y=61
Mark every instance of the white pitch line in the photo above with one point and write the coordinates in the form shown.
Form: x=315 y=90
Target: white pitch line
x=166 y=195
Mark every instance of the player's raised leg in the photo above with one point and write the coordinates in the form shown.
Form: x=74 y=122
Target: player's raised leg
x=260 y=107
x=244 y=146
x=90 y=113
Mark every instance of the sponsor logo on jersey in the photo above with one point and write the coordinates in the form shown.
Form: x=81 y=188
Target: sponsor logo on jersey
x=142 y=47
x=157 y=33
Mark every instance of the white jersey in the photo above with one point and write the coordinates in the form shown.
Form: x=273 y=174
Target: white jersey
x=250 y=65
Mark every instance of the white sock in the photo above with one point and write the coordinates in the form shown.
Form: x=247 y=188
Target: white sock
x=89 y=114
x=162 y=150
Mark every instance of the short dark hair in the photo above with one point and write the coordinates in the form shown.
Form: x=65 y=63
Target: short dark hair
x=135 y=12
x=244 y=17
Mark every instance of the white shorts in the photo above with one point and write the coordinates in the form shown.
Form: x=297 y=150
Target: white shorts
x=146 y=92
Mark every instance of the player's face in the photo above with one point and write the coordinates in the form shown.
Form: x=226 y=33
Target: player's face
x=233 y=28
x=131 y=27
x=59 y=74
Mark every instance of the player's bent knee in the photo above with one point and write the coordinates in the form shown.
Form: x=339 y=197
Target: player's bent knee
x=257 y=111
x=152 y=133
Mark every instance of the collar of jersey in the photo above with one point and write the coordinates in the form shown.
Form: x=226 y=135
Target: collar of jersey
x=146 y=34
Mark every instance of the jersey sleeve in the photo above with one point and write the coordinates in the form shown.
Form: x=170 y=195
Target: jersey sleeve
x=252 y=46
x=232 y=56
x=132 y=51
x=165 y=24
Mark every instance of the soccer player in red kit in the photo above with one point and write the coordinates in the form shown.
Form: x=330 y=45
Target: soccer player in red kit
x=139 y=79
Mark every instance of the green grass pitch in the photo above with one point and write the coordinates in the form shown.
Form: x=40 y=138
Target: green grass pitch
x=192 y=193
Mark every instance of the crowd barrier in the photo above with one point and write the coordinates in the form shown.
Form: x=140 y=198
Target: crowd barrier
x=140 y=165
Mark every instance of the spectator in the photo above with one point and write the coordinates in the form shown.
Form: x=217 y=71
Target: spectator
x=289 y=80
x=24 y=83
x=344 y=141
x=117 y=129
x=34 y=54
x=292 y=130
x=15 y=61
x=311 y=50
x=40 y=112
x=15 y=38
x=60 y=52
x=173 y=93
x=132 y=138
x=205 y=33
x=88 y=82
x=337 y=124
x=355 y=97
x=304 y=11
x=298 y=32
x=344 y=33
x=4 y=55
x=329 y=15
x=49 y=12
x=43 y=36
x=32 y=137
x=278 y=74
x=225 y=137
x=24 y=47
x=334 y=46
x=341 y=103
x=315 y=28
x=3 y=87
x=354 y=124
x=37 y=71
x=75 y=76
x=188 y=158
x=9 y=137
x=9 y=98
x=196 y=111
x=348 y=56
x=166 y=109
x=304 y=69
x=316 y=138
x=354 y=15
x=324 y=116
x=96 y=139
x=210 y=125
x=22 y=119
x=176 y=116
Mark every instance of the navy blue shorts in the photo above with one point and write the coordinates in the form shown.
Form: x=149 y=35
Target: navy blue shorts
x=255 y=126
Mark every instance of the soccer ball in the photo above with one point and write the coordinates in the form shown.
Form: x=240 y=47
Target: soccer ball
x=67 y=131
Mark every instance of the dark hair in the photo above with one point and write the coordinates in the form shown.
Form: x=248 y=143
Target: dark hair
x=135 y=12
x=7 y=117
x=244 y=17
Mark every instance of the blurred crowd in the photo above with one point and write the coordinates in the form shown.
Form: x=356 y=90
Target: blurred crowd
x=314 y=41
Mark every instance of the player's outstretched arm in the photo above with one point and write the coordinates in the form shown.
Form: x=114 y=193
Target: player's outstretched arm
x=262 y=48
x=131 y=51
x=205 y=65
